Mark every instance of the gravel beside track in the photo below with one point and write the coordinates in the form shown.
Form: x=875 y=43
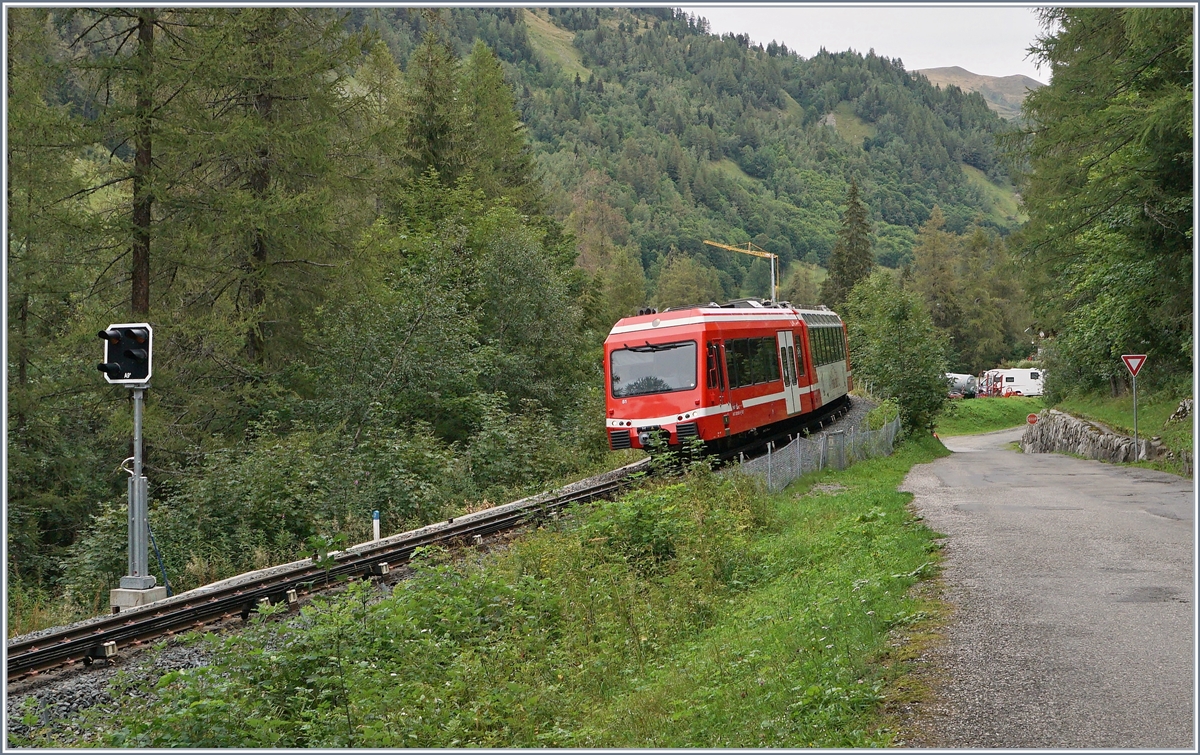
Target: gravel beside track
x=856 y=417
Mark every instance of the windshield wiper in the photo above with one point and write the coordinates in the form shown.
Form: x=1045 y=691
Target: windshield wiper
x=650 y=347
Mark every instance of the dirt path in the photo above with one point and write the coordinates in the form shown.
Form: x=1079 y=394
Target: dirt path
x=1072 y=584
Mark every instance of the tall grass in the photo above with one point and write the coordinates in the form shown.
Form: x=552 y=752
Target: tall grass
x=985 y=415
x=700 y=613
x=1154 y=411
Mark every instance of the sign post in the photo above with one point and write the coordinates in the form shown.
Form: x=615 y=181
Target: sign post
x=1134 y=362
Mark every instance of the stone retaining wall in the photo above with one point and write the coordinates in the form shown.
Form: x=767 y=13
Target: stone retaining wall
x=1057 y=432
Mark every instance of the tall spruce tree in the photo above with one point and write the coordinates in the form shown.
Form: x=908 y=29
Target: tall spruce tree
x=436 y=119
x=851 y=259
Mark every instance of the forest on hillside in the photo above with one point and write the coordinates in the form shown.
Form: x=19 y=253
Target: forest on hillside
x=380 y=249
x=665 y=135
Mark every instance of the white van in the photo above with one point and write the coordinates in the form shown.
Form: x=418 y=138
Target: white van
x=1022 y=382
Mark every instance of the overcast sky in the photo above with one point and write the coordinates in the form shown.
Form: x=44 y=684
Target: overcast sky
x=990 y=41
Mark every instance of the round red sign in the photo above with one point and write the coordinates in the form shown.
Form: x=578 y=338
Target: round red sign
x=1031 y=419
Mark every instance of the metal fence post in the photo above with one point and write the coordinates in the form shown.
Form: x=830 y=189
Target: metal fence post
x=769 y=466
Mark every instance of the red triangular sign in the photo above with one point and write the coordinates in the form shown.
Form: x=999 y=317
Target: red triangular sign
x=1134 y=362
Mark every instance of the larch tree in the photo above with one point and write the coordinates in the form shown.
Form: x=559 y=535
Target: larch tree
x=269 y=196
x=933 y=271
x=381 y=123
x=800 y=287
x=623 y=286
x=684 y=281
x=55 y=246
x=500 y=158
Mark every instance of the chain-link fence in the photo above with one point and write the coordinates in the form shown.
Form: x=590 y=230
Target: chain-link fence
x=832 y=450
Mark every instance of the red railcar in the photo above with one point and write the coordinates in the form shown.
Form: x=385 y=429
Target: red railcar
x=720 y=372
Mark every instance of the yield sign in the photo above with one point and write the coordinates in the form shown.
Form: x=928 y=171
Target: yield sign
x=1134 y=362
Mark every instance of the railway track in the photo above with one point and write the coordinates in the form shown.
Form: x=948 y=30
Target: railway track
x=102 y=639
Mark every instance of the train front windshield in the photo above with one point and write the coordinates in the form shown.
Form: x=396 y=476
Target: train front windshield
x=653 y=368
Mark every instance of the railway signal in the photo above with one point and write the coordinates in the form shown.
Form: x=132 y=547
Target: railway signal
x=127 y=353
x=1134 y=363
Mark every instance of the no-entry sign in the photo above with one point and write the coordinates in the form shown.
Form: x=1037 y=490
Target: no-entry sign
x=1134 y=362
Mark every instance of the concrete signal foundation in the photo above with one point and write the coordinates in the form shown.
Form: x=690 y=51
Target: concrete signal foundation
x=123 y=598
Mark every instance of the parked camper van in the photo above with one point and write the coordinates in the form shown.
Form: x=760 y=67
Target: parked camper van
x=961 y=386
x=1015 y=382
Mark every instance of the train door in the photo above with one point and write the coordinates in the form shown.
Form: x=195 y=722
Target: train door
x=717 y=382
x=787 y=358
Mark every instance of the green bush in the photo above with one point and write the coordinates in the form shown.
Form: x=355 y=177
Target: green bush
x=887 y=411
x=896 y=349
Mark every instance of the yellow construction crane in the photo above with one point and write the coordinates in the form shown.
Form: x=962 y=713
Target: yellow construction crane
x=757 y=252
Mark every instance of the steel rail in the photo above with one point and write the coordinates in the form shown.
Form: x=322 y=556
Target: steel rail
x=189 y=611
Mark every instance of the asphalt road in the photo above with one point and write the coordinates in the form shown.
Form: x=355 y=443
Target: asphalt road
x=1072 y=588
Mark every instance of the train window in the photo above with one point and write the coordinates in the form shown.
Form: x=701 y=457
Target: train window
x=787 y=371
x=716 y=378
x=751 y=361
x=721 y=368
x=653 y=368
x=737 y=362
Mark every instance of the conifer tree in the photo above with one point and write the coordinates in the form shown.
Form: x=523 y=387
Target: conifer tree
x=268 y=195
x=623 y=286
x=800 y=287
x=851 y=259
x=499 y=156
x=933 y=271
x=436 y=121
x=382 y=121
x=54 y=248
x=684 y=281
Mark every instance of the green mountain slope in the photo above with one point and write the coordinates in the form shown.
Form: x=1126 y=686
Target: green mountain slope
x=652 y=132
